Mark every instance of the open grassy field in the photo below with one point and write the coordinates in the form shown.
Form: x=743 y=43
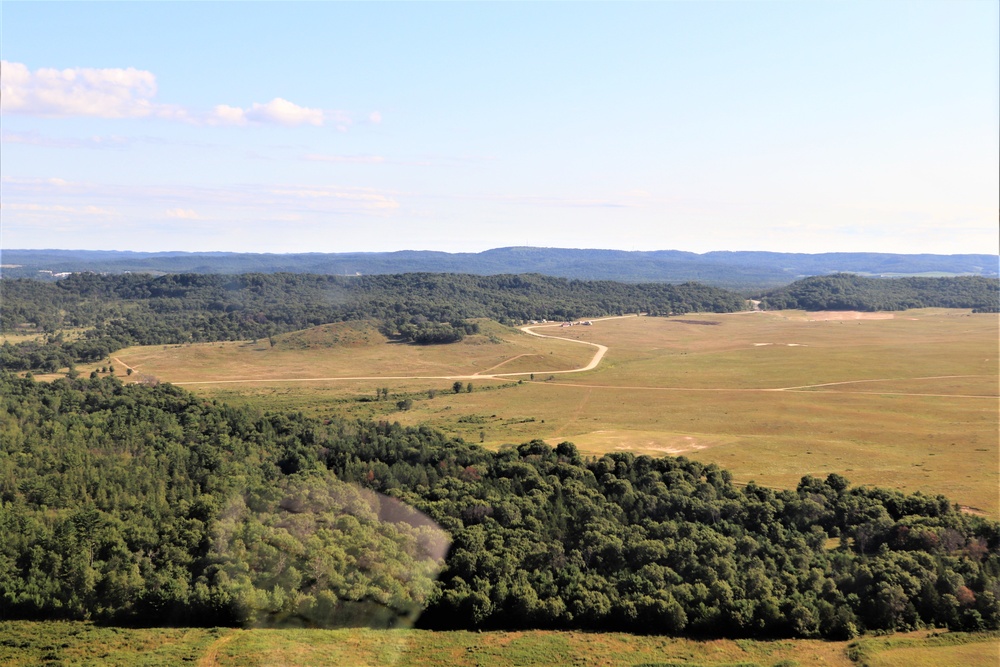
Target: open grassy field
x=28 y=334
x=347 y=350
x=905 y=400
x=15 y=338
x=27 y=644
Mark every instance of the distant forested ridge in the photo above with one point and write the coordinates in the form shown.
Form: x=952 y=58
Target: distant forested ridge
x=139 y=309
x=845 y=291
x=147 y=504
x=732 y=270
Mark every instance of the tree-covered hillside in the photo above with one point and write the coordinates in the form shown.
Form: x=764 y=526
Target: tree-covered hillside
x=845 y=291
x=147 y=504
x=134 y=309
x=733 y=270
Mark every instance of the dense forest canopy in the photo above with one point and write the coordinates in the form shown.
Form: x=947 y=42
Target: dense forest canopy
x=845 y=291
x=145 y=504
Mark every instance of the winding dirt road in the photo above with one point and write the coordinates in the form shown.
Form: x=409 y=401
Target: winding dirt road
x=598 y=355
x=600 y=351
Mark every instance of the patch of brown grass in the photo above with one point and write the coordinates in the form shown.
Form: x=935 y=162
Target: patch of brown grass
x=337 y=352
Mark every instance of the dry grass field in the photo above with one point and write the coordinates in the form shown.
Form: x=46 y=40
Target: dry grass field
x=21 y=336
x=350 y=350
x=14 y=338
x=27 y=644
x=905 y=400
x=970 y=655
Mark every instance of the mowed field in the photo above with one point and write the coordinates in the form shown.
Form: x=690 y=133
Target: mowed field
x=904 y=400
x=27 y=644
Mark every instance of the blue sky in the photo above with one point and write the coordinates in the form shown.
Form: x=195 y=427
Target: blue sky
x=336 y=127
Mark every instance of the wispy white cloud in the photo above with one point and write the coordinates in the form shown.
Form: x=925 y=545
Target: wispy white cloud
x=57 y=208
x=116 y=93
x=190 y=202
x=183 y=214
x=420 y=160
x=96 y=141
x=570 y=202
x=632 y=199
x=375 y=117
x=33 y=138
x=345 y=159
x=355 y=198
x=33 y=184
x=635 y=198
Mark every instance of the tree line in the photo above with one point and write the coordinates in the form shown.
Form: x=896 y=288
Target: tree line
x=134 y=309
x=146 y=504
x=846 y=291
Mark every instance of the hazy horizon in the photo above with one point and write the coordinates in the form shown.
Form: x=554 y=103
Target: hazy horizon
x=473 y=252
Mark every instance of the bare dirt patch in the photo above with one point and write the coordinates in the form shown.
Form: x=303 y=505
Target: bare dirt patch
x=683 y=446
x=653 y=443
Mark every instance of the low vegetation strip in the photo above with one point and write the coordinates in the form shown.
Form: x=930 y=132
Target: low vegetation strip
x=31 y=644
x=28 y=644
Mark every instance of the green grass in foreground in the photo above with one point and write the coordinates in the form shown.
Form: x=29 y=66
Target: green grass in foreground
x=24 y=644
x=27 y=644
x=916 y=649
